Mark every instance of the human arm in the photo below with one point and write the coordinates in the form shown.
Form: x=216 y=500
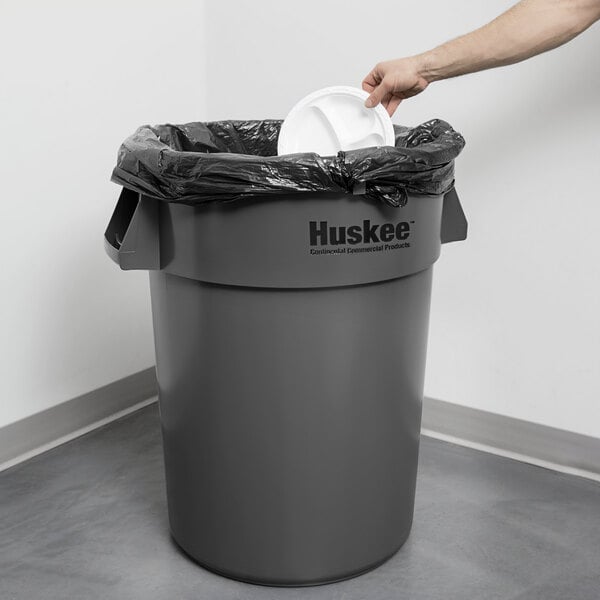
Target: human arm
x=528 y=28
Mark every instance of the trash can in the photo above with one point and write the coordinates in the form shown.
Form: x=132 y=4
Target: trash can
x=290 y=335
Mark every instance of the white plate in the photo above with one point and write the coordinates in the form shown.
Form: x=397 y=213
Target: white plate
x=334 y=119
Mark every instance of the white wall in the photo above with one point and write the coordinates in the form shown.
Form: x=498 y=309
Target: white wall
x=75 y=79
x=515 y=325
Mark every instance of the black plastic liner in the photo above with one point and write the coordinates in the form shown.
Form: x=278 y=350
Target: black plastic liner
x=222 y=161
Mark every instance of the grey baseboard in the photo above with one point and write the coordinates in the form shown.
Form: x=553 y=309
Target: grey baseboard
x=564 y=449
x=542 y=443
x=46 y=427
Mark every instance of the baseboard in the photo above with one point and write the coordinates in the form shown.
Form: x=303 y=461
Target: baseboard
x=521 y=440
x=44 y=430
x=541 y=445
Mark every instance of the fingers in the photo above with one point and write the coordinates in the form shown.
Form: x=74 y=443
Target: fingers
x=393 y=104
x=371 y=81
x=367 y=87
x=377 y=85
x=377 y=95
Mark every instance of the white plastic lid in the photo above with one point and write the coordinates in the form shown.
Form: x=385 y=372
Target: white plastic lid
x=334 y=119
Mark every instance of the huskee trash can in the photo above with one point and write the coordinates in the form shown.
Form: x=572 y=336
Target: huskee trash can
x=290 y=334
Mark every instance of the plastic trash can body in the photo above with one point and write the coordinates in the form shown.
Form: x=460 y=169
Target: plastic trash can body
x=290 y=422
x=290 y=339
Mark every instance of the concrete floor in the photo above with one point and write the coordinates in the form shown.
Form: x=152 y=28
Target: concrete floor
x=87 y=520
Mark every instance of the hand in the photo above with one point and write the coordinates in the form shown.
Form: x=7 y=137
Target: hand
x=392 y=81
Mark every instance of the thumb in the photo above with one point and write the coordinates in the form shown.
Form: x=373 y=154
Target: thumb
x=376 y=95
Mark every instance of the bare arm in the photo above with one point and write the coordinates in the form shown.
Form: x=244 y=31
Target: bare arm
x=528 y=28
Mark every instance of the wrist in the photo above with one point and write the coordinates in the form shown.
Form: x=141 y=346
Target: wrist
x=428 y=67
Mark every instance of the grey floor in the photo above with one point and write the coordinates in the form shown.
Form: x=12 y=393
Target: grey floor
x=87 y=520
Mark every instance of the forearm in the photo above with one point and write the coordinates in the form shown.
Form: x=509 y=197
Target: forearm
x=528 y=28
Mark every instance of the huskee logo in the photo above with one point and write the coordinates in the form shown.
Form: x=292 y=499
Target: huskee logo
x=322 y=234
x=381 y=234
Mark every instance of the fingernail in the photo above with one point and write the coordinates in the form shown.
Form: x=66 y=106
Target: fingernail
x=368 y=102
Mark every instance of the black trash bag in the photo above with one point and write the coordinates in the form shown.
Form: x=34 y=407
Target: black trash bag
x=222 y=161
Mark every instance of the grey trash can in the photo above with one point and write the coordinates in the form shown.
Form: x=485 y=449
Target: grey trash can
x=290 y=350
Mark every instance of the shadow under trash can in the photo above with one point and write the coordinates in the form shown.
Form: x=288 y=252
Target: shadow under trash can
x=290 y=301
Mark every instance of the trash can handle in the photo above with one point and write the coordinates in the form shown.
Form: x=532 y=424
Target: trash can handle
x=454 y=223
x=132 y=236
